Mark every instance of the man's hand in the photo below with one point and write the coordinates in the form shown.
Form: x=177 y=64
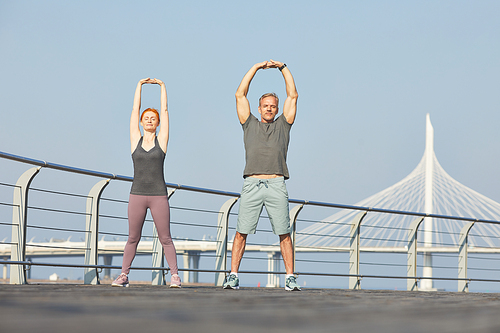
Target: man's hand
x=262 y=65
x=269 y=64
x=274 y=64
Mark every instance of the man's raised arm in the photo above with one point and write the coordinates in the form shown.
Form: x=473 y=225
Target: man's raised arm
x=290 y=105
x=242 y=104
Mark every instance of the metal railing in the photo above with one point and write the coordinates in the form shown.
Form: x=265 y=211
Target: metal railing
x=334 y=262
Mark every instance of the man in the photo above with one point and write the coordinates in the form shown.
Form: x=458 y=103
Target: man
x=266 y=146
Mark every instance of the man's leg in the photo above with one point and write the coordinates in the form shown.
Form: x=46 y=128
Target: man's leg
x=251 y=204
x=239 y=243
x=287 y=252
x=277 y=207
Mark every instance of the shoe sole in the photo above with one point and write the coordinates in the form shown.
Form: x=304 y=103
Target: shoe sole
x=229 y=287
x=174 y=286
x=292 y=289
x=120 y=285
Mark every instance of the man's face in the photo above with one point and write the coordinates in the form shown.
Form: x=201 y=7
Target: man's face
x=268 y=109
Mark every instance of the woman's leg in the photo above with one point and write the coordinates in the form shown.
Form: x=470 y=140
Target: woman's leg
x=137 y=209
x=160 y=210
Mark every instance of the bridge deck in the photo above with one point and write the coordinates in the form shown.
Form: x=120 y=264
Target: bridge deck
x=144 y=308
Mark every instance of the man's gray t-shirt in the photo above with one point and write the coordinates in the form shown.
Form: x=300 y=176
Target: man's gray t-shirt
x=266 y=146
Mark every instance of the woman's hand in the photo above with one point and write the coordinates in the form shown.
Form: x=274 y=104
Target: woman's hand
x=146 y=81
x=151 y=81
x=157 y=81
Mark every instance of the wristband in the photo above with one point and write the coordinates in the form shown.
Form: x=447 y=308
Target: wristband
x=281 y=68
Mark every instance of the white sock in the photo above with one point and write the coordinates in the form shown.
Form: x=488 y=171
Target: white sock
x=234 y=274
x=288 y=275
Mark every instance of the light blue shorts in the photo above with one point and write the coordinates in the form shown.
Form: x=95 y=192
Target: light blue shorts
x=257 y=193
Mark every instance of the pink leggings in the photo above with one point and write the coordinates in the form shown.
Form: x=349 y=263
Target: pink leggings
x=160 y=210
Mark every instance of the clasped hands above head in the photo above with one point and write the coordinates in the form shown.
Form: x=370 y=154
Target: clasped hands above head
x=151 y=81
x=271 y=64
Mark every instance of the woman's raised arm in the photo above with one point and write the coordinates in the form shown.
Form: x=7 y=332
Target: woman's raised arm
x=163 y=133
x=135 y=131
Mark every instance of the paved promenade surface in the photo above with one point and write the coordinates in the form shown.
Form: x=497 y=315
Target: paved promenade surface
x=144 y=308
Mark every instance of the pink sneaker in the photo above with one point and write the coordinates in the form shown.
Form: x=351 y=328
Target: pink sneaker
x=175 y=281
x=121 y=281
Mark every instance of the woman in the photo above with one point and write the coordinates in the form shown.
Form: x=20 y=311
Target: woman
x=148 y=188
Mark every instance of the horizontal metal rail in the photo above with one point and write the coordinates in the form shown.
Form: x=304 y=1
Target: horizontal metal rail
x=8 y=204
x=29 y=263
x=107 y=175
x=396 y=277
x=235 y=194
x=390 y=211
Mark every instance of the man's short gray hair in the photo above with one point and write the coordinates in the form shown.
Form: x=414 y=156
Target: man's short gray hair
x=270 y=95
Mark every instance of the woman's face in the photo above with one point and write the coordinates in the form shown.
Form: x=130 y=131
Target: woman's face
x=150 y=121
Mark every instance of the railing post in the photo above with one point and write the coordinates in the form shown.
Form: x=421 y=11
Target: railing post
x=5 y=269
x=355 y=281
x=294 y=212
x=273 y=265
x=186 y=258
x=91 y=275
x=108 y=261
x=158 y=255
x=411 y=271
x=463 y=243
x=19 y=223
x=195 y=259
x=191 y=260
x=221 y=245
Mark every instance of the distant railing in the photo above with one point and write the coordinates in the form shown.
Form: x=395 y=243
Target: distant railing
x=218 y=247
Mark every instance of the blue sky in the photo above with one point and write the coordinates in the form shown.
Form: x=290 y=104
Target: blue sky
x=367 y=73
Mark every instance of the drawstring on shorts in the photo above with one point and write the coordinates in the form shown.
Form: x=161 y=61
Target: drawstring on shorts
x=262 y=182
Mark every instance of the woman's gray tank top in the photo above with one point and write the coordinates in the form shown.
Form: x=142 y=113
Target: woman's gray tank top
x=148 y=170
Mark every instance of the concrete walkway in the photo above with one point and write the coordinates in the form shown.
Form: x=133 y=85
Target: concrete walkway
x=144 y=308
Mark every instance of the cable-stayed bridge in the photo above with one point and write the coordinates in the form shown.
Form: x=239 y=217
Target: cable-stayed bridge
x=428 y=189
